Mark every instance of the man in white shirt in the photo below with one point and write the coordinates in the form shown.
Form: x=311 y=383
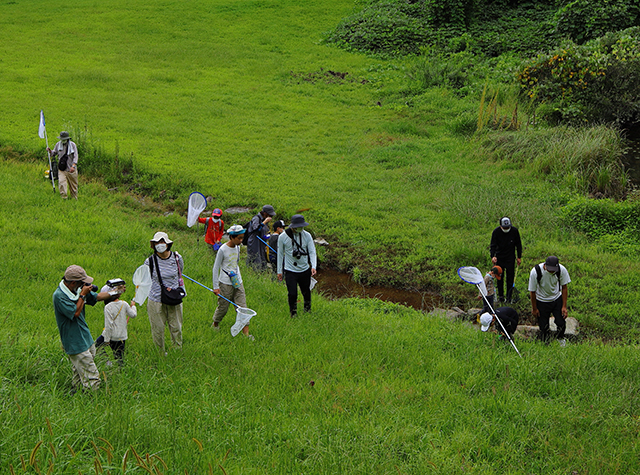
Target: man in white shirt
x=548 y=291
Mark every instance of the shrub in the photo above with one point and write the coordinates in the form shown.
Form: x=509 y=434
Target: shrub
x=387 y=28
x=399 y=27
x=584 y=20
x=595 y=82
x=603 y=219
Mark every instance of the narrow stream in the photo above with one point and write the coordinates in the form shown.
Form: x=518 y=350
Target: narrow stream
x=335 y=285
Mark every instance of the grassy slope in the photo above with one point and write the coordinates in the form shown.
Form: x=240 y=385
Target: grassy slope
x=395 y=391
x=206 y=92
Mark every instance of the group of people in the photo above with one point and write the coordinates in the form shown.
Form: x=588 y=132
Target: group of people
x=295 y=262
x=292 y=255
x=547 y=286
x=76 y=289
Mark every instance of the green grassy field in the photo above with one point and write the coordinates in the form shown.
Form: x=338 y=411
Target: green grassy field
x=236 y=97
x=394 y=390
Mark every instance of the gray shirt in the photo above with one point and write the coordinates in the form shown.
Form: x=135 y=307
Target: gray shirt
x=286 y=248
x=72 y=152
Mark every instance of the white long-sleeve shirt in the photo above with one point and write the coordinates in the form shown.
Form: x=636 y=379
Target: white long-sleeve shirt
x=286 y=260
x=116 y=315
x=227 y=259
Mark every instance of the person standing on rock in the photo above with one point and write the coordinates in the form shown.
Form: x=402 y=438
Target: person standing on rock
x=548 y=291
x=506 y=251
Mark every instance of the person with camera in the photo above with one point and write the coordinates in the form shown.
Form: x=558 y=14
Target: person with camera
x=69 y=299
x=297 y=259
x=66 y=153
x=167 y=291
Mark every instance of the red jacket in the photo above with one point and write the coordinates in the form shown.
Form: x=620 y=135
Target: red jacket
x=213 y=231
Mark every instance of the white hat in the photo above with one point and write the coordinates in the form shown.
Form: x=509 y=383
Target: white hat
x=236 y=230
x=485 y=321
x=505 y=223
x=157 y=237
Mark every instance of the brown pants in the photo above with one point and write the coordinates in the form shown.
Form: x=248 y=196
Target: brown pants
x=161 y=315
x=70 y=181
x=235 y=295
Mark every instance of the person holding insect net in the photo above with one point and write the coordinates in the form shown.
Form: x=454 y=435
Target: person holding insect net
x=66 y=152
x=506 y=251
x=167 y=291
x=213 y=229
x=227 y=281
x=297 y=260
x=257 y=228
x=508 y=317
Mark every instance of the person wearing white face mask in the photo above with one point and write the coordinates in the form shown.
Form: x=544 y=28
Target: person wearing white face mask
x=506 y=250
x=297 y=260
x=213 y=229
x=166 y=277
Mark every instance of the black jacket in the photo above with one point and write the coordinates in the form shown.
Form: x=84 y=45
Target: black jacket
x=505 y=245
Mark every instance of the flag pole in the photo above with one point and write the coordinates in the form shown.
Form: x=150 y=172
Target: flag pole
x=43 y=129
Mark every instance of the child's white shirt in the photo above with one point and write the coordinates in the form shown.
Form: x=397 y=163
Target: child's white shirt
x=116 y=316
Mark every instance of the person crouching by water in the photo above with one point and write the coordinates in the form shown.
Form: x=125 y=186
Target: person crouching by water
x=297 y=259
x=116 y=318
x=227 y=281
x=69 y=299
x=508 y=317
x=166 y=269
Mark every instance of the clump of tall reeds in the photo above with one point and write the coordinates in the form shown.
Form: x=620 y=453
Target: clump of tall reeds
x=586 y=160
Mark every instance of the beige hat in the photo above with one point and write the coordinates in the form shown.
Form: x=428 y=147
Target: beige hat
x=76 y=273
x=160 y=236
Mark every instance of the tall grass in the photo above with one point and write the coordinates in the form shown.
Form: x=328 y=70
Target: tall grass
x=584 y=160
x=356 y=386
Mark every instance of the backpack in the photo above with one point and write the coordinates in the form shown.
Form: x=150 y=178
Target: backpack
x=539 y=275
x=245 y=236
x=62 y=161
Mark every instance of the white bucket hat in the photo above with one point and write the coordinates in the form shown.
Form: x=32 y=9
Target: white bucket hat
x=485 y=321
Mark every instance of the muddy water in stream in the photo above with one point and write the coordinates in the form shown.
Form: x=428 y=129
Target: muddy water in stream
x=335 y=285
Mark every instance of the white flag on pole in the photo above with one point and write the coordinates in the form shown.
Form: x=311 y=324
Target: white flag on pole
x=42 y=129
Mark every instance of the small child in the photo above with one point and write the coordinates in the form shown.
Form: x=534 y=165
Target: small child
x=213 y=229
x=116 y=317
x=494 y=273
x=278 y=229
